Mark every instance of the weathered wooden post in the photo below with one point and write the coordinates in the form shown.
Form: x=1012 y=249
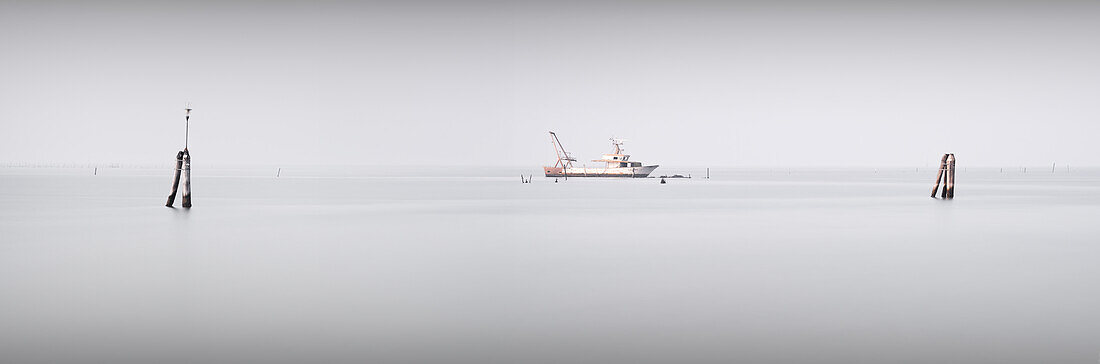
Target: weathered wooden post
x=946 y=178
x=939 y=175
x=950 y=187
x=176 y=179
x=186 y=178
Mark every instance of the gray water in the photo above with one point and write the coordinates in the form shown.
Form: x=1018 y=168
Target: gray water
x=450 y=266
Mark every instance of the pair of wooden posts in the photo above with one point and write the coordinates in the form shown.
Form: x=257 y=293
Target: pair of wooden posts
x=947 y=175
x=183 y=164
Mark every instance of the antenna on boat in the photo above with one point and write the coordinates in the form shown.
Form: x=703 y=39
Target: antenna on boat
x=618 y=143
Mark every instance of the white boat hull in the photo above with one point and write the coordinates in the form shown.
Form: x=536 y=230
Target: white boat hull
x=635 y=172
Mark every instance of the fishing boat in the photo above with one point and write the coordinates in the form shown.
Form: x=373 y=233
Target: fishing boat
x=615 y=164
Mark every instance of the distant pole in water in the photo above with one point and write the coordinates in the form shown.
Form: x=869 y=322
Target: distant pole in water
x=1052 y=166
x=708 y=173
x=278 y=173
x=95 y=171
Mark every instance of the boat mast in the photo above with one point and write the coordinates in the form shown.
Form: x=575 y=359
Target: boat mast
x=564 y=159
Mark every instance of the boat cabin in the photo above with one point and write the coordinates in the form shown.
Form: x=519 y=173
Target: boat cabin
x=618 y=161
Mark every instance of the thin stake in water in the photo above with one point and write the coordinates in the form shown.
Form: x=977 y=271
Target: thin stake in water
x=187 y=125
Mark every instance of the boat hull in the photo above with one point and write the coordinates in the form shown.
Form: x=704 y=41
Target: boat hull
x=619 y=172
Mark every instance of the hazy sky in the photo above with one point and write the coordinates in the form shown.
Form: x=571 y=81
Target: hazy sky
x=813 y=83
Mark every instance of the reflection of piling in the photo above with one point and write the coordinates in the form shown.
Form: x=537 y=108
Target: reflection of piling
x=946 y=174
x=176 y=179
x=186 y=178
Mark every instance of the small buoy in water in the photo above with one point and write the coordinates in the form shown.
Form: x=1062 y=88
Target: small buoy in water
x=555 y=180
x=663 y=181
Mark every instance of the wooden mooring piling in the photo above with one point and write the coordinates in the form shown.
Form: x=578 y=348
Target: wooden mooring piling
x=175 y=179
x=183 y=166
x=946 y=174
x=186 y=178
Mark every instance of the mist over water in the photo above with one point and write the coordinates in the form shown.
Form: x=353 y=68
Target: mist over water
x=445 y=263
x=743 y=83
x=330 y=264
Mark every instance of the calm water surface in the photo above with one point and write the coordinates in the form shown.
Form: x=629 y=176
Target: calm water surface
x=405 y=266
